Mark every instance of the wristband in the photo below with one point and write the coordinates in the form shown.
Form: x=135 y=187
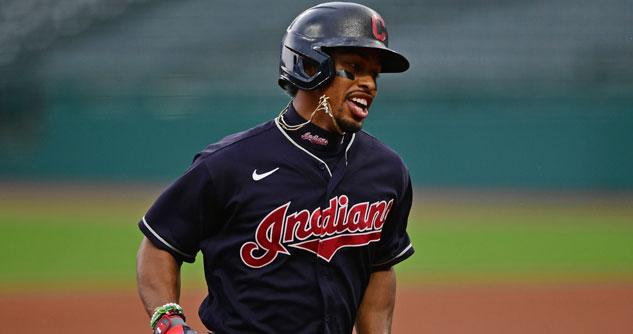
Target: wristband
x=169 y=309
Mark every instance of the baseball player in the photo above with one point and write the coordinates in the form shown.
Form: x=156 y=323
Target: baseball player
x=300 y=219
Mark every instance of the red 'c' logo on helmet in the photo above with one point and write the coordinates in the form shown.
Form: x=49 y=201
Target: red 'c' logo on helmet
x=378 y=27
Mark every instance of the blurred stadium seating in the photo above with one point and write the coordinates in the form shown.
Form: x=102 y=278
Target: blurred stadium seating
x=528 y=94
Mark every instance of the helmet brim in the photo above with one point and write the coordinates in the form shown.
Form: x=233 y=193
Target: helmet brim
x=391 y=60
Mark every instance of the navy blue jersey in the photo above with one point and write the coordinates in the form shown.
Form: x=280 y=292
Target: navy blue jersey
x=291 y=224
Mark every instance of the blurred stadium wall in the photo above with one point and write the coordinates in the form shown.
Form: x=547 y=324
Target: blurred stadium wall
x=502 y=94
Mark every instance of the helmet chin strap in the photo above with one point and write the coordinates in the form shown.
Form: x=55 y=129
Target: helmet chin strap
x=324 y=105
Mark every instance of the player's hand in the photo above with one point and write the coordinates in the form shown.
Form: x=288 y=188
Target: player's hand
x=172 y=324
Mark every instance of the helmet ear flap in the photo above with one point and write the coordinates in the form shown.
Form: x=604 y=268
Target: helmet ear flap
x=310 y=67
x=303 y=65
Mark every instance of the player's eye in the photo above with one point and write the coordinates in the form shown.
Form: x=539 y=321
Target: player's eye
x=358 y=69
x=354 y=67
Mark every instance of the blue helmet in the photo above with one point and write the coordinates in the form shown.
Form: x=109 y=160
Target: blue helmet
x=332 y=25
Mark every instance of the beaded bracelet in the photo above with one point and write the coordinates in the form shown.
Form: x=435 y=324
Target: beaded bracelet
x=169 y=309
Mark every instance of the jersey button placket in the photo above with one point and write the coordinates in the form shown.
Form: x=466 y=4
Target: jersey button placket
x=324 y=272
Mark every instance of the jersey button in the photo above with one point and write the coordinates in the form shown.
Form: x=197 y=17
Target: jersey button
x=322 y=167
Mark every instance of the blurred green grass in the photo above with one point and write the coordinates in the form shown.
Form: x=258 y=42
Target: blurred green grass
x=83 y=239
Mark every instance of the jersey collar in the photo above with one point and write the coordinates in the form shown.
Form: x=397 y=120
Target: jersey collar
x=318 y=141
x=342 y=144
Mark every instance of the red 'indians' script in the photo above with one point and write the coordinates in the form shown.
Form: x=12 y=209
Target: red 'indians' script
x=314 y=139
x=322 y=231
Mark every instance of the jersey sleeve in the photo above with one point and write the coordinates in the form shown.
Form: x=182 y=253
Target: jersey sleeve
x=395 y=245
x=176 y=221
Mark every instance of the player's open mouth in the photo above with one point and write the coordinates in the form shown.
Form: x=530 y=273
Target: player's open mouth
x=359 y=105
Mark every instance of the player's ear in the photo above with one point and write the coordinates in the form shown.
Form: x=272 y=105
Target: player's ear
x=310 y=67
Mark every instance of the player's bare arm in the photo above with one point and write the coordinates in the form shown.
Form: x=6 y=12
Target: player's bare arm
x=157 y=275
x=158 y=282
x=376 y=309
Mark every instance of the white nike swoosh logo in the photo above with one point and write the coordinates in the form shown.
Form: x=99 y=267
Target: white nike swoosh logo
x=257 y=177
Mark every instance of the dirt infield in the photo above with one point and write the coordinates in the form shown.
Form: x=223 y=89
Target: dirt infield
x=504 y=308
